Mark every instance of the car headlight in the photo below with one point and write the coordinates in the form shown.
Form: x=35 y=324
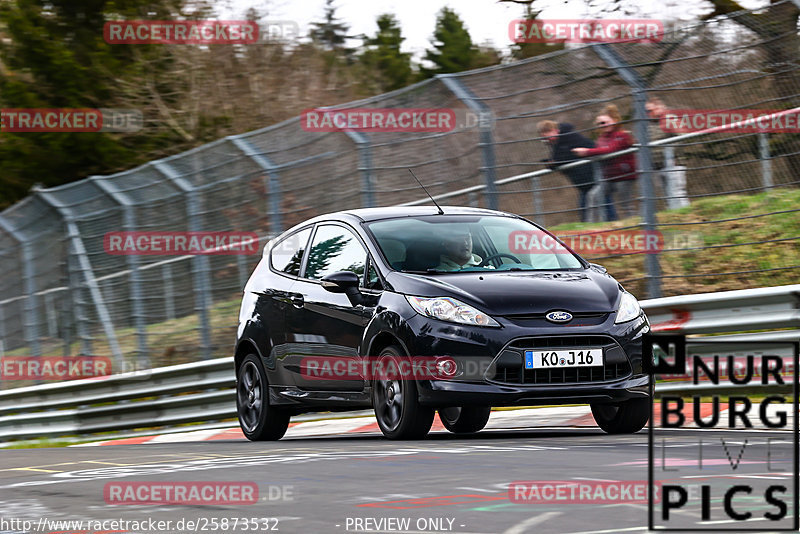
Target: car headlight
x=450 y=309
x=629 y=308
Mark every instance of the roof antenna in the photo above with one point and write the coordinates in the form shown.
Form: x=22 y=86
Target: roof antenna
x=441 y=212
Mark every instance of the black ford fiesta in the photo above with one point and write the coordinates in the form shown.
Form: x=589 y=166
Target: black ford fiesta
x=414 y=310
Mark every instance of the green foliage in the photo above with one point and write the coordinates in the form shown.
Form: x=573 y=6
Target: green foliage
x=382 y=55
x=54 y=56
x=453 y=49
x=330 y=33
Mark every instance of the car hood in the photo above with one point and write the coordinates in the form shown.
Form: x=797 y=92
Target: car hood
x=517 y=292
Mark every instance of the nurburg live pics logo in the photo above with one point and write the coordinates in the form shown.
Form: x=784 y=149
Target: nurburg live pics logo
x=734 y=479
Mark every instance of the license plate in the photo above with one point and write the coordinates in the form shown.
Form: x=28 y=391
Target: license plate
x=555 y=359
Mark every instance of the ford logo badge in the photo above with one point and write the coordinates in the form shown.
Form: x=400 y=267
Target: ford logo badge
x=559 y=317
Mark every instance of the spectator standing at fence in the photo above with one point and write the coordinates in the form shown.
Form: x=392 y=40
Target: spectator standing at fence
x=619 y=172
x=562 y=138
x=668 y=172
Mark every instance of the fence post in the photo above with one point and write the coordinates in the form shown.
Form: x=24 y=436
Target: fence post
x=272 y=181
x=596 y=196
x=365 y=166
x=129 y=223
x=84 y=266
x=536 y=185
x=77 y=310
x=30 y=323
x=169 y=291
x=648 y=209
x=2 y=329
x=50 y=314
x=200 y=264
x=486 y=142
x=766 y=163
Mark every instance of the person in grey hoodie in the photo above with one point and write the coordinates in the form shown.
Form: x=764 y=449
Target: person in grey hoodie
x=562 y=138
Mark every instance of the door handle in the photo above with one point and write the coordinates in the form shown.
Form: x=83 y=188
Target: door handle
x=297 y=300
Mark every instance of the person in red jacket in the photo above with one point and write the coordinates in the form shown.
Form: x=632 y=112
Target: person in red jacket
x=619 y=172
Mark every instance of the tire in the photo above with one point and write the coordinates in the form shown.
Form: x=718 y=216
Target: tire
x=465 y=419
x=396 y=402
x=623 y=418
x=259 y=421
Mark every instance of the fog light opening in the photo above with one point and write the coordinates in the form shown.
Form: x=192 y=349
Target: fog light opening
x=446 y=367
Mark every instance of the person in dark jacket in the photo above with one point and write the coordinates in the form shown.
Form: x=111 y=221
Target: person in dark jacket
x=562 y=138
x=620 y=171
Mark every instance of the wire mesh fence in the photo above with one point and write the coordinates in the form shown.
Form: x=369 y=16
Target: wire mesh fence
x=63 y=293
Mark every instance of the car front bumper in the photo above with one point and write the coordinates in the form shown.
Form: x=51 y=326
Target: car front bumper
x=485 y=345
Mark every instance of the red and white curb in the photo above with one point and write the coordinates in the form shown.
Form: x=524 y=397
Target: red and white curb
x=514 y=419
x=569 y=416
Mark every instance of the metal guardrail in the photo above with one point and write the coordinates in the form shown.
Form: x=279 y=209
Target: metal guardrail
x=728 y=311
x=203 y=391
x=186 y=393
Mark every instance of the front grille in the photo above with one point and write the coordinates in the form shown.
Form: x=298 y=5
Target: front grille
x=538 y=320
x=508 y=367
x=575 y=315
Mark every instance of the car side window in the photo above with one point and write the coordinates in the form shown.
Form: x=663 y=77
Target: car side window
x=334 y=248
x=287 y=255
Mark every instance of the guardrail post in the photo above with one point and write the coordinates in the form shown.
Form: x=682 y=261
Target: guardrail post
x=486 y=142
x=648 y=209
x=29 y=322
x=536 y=186
x=766 y=163
x=200 y=264
x=271 y=181
x=132 y=260
x=82 y=259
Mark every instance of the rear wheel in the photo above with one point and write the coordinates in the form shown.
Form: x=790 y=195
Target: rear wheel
x=259 y=420
x=623 y=418
x=465 y=419
x=395 y=400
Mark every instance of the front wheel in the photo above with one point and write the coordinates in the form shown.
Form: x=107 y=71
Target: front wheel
x=259 y=420
x=465 y=419
x=395 y=400
x=622 y=418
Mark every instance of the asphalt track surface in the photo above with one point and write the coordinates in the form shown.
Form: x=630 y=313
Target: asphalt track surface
x=332 y=484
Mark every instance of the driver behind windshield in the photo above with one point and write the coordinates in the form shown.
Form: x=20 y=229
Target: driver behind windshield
x=457 y=246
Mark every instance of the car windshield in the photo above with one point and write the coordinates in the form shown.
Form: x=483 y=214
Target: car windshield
x=463 y=243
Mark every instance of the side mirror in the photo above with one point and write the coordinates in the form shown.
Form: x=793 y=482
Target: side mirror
x=343 y=282
x=598 y=267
